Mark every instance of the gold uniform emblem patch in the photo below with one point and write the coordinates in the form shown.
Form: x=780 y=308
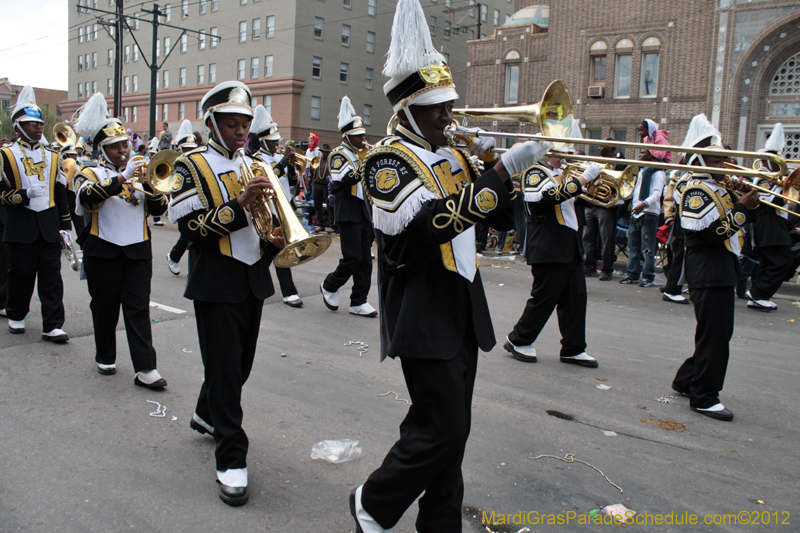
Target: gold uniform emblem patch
x=225 y=215
x=106 y=182
x=337 y=163
x=572 y=188
x=387 y=180
x=739 y=218
x=177 y=182
x=695 y=202
x=16 y=199
x=486 y=200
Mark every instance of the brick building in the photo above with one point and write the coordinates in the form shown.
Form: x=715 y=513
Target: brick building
x=737 y=61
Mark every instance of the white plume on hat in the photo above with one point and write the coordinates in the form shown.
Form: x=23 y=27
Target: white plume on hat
x=776 y=141
x=699 y=129
x=262 y=120
x=153 y=145
x=92 y=116
x=25 y=98
x=184 y=131
x=346 y=113
x=411 y=47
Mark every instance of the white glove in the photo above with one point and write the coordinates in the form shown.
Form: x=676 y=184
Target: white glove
x=133 y=165
x=483 y=147
x=523 y=156
x=36 y=191
x=591 y=172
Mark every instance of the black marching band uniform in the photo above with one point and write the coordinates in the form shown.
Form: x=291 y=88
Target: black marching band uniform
x=228 y=283
x=676 y=276
x=264 y=129
x=34 y=198
x=711 y=220
x=117 y=252
x=554 y=250
x=353 y=220
x=185 y=142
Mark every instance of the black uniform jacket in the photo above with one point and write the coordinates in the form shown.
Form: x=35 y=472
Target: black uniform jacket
x=23 y=226
x=214 y=277
x=347 y=206
x=426 y=309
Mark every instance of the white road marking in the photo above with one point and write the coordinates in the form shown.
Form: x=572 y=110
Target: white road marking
x=167 y=308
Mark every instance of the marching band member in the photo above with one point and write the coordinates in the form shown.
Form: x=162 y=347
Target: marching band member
x=185 y=142
x=34 y=194
x=229 y=279
x=352 y=217
x=69 y=170
x=265 y=138
x=711 y=221
x=771 y=235
x=425 y=200
x=671 y=292
x=117 y=251
x=554 y=249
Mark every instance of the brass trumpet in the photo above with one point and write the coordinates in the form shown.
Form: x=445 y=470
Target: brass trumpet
x=299 y=245
x=304 y=162
x=157 y=173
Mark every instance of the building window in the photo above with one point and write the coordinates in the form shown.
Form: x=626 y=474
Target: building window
x=343 y=69
x=184 y=9
x=166 y=79
x=214 y=5
x=484 y=12
x=622 y=76
x=184 y=43
x=80 y=90
x=318 y=23
x=86 y=62
x=316 y=102
x=496 y=17
x=648 y=84
x=367 y=115
x=470 y=33
x=126 y=85
x=512 y=84
x=181 y=111
x=243 y=31
x=214 y=39
x=371 y=42
x=316 y=68
x=125 y=117
x=86 y=89
x=472 y=11
x=201 y=40
x=594 y=133
x=268 y=66
x=243 y=2
x=599 y=68
x=109 y=86
x=136 y=21
x=80 y=63
x=212 y=73
x=94 y=32
x=165 y=114
x=345 y=35
x=203 y=7
x=166 y=45
x=787 y=78
x=368 y=78
x=80 y=35
x=256 y=29
x=158 y=48
x=254 y=68
x=127 y=53
x=240 y=69
x=135 y=53
x=447 y=30
x=268 y=104
x=347 y=4
x=182 y=77
x=134 y=114
x=432 y=24
x=270 y=32
x=198 y=111
x=201 y=74
x=372 y=7
x=446 y=58
x=619 y=134
x=168 y=13
x=135 y=83
x=94 y=87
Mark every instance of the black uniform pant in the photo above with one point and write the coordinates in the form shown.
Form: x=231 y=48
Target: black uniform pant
x=286 y=281
x=228 y=334
x=4 y=261
x=320 y=193
x=703 y=374
x=559 y=286
x=433 y=436
x=121 y=283
x=77 y=220
x=179 y=249
x=603 y=221
x=356 y=261
x=39 y=261
x=678 y=247
x=772 y=270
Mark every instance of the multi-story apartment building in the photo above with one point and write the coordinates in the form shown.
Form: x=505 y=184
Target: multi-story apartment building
x=737 y=61
x=299 y=57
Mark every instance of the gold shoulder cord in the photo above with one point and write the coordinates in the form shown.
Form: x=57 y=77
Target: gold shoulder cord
x=89 y=176
x=415 y=165
x=198 y=185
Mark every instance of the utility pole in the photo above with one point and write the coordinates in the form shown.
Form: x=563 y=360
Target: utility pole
x=154 y=67
x=117 y=63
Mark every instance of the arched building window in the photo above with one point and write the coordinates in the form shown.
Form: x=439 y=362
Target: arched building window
x=512 y=60
x=648 y=80
x=787 y=79
x=622 y=69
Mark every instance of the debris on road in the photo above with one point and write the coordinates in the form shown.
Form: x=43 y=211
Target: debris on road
x=336 y=451
x=396 y=396
x=161 y=410
x=669 y=425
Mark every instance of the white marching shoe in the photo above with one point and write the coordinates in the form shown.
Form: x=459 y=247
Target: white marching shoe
x=59 y=336
x=363 y=310
x=331 y=299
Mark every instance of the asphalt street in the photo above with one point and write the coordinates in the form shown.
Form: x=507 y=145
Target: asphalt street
x=81 y=452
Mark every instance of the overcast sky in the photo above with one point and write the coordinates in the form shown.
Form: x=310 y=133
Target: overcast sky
x=33 y=42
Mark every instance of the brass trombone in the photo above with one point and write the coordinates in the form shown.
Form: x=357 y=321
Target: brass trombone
x=790 y=185
x=303 y=162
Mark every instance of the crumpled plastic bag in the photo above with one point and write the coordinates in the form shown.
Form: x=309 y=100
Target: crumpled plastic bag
x=336 y=451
